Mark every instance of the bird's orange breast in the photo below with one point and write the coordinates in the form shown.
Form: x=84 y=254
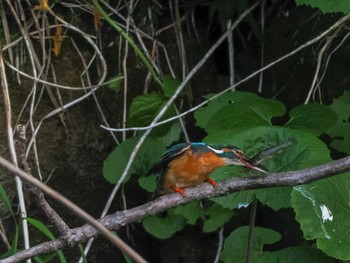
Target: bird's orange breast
x=190 y=169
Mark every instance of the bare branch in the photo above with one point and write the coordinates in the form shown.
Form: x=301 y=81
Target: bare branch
x=69 y=239
x=121 y=218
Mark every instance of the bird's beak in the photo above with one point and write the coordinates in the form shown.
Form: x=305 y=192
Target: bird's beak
x=245 y=161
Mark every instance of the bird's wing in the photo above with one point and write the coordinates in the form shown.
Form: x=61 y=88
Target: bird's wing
x=167 y=157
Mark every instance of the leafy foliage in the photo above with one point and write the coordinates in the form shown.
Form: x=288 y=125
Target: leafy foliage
x=314 y=118
x=328 y=6
x=321 y=208
x=235 y=245
x=164 y=226
x=296 y=254
x=115 y=163
x=341 y=130
x=247 y=121
x=237 y=110
x=44 y=229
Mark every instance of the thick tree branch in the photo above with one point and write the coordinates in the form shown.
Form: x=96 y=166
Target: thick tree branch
x=122 y=218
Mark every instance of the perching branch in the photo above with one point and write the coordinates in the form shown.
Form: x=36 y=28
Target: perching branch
x=68 y=237
x=121 y=218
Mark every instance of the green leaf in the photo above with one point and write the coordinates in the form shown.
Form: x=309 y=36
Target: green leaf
x=297 y=156
x=235 y=245
x=322 y=209
x=314 y=118
x=144 y=108
x=162 y=226
x=328 y=6
x=170 y=133
x=43 y=229
x=4 y=199
x=82 y=254
x=237 y=112
x=149 y=183
x=205 y=113
x=191 y=211
x=169 y=85
x=296 y=254
x=341 y=131
x=149 y=153
x=235 y=200
x=216 y=217
x=115 y=83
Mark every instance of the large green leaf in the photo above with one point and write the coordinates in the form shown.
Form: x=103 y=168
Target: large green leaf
x=297 y=156
x=191 y=211
x=216 y=217
x=328 y=6
x=314 y=118
x=341 y=131
x=149 y=153
x=164 y=226
x=149 y=183
x=235 y=245
x=169 y=134
x=169 y=85
x=246 y=111
x=259 y=109
x=144 y=107
x=296 y=254
x=322 y=208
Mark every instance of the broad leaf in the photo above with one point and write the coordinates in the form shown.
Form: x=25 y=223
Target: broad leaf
x=216 y=217
x=245 y=112
x=235 y=245
x=162 y=226
x=144 y=108
x=148 y=183
x=169 y=85
x=191 y=211
x=341 y=131
x=296 y=254
x=328 y=6
x=149 y=153
x=266 y=108
x=322 y=209
x=314 y=118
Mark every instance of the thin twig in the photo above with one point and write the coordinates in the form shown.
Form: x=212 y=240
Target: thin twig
x=11 y=144
x=231 y=54
x=220 y=242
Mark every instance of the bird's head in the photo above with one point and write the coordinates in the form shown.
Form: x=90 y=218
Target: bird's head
x=232 y=155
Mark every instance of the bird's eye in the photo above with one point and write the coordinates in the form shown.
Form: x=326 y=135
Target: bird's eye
x=238 y=152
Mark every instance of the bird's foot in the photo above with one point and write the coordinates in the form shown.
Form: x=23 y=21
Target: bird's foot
x=179 y=190
x=211 y=181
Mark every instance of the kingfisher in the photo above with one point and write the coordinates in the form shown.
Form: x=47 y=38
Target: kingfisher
x=188 y=164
